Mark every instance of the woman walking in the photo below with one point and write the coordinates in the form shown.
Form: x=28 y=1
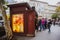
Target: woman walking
x=43 y=23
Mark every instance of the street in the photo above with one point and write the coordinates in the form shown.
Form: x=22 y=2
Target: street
x=44 y=35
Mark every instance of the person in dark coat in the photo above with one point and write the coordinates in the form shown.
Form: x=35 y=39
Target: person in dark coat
x=54 y=22
x=36 y=24
x=39 y=24
x=49 y=24
x=45 y=23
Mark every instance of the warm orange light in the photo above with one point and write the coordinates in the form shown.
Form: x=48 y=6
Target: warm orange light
x=18 y=23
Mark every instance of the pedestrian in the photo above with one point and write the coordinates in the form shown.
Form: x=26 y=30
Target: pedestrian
x=36 y=24
x=49 y=24
x=54 y=22
x=43 y=23
x=39 y=24
x=59 y=21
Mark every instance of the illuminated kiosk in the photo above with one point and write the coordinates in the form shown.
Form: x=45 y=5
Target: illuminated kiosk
x=22 y=19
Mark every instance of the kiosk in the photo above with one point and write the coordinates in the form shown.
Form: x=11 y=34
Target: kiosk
x=22 y=19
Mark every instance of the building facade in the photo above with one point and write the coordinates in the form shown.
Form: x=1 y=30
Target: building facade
x=43 y=9
x=51 y=10
x=58 y=3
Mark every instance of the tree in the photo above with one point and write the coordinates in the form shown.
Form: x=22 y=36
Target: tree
x=54 y=16
x=58 y=10
x=7 y=27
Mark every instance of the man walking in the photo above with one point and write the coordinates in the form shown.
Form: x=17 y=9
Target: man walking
x=49 y=24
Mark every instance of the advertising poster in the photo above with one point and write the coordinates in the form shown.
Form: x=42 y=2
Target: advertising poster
x=18 y=23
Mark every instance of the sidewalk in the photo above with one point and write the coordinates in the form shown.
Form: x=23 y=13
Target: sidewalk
x=44 y=35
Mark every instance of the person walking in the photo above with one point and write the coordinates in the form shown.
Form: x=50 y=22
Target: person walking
x=54 y=22
x=36 y=24
x=39 y=24
x=43 y=23
x=49 y=24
